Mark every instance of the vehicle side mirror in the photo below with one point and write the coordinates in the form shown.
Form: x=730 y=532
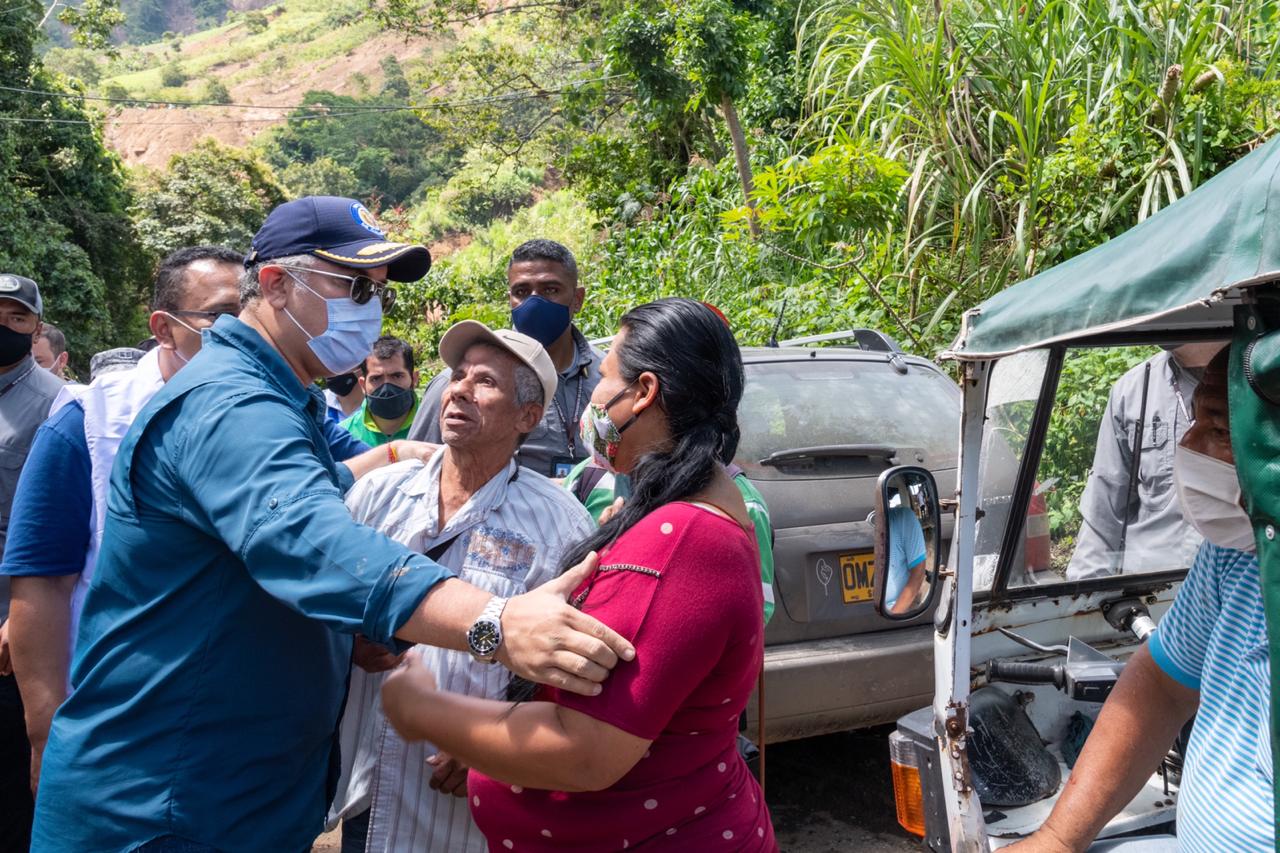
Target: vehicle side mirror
x=908 y=542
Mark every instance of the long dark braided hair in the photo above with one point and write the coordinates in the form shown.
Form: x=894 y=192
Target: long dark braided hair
x=699 y=368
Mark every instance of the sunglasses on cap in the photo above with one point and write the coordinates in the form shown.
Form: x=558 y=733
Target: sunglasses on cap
x=363 y=288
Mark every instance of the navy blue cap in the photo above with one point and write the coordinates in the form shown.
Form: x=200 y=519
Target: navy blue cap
x=339 y=230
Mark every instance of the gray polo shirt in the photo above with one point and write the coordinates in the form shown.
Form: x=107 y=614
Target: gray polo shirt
x=556 y=437
x=26 y=392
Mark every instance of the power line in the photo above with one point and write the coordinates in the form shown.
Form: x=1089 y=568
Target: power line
x=433 y=105
x=40 y=119
x=150 y=102
x=357 y=107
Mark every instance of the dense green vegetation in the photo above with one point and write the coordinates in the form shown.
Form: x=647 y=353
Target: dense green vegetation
x=64 y=201
x=882 y=163
x=386 y=155
x=211 y=194
x=906 y=160
x=137 y=21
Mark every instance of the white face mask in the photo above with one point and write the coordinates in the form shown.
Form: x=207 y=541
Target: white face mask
x=1210 y=497
x=177 y=351
x=349 y=335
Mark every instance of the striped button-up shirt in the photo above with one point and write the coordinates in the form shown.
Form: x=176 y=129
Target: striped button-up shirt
x=509 y=537
x=1214 y=640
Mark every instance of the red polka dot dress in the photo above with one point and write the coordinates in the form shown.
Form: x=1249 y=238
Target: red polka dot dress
x=683 y=585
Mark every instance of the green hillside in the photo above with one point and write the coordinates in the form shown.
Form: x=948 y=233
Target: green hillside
x=251 y=46
x=881 y=163
x=146 y=20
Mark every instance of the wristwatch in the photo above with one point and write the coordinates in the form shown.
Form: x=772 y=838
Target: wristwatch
x=485 y=635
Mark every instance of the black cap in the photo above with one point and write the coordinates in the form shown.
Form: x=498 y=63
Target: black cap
x=21 y=289
x=339 y=230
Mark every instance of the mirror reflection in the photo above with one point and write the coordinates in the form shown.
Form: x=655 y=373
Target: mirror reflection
x=911 y=553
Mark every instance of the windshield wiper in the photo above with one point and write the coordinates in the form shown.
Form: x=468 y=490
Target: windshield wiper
x=831 y=451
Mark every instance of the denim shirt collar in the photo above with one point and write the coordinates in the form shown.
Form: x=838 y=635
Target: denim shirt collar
x=272 y=366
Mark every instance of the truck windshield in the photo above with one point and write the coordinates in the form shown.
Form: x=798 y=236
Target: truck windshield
x=845 y=415
x=1103 y=501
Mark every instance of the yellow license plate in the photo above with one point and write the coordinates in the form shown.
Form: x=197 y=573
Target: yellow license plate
x=857 y=571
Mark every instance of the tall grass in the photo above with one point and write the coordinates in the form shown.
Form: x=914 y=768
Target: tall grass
x=1000 y=107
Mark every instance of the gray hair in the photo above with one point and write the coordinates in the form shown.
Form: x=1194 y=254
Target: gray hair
x=528 y=386
x=250 y=288
x=528 y=390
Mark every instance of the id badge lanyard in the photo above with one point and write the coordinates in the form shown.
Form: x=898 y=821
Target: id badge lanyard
x=570 y=426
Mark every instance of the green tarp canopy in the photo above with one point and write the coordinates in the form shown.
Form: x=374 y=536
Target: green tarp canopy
x=1171 y=270
x=1183 y=269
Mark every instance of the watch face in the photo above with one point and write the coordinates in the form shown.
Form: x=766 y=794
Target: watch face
x=484 y=637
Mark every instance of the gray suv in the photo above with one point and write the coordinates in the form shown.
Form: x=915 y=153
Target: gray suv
x=819 y=425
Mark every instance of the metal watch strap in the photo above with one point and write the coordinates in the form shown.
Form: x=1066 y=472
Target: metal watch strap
x=492 y=612
x=493 y=609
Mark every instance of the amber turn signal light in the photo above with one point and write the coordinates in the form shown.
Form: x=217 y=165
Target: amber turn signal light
x=907 y=794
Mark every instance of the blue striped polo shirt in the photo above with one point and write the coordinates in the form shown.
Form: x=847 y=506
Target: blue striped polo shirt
x=1214 y=640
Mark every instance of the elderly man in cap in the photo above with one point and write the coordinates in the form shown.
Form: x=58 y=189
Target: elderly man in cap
x=499 y=526
x=215 y=641
x=26 y=392
x=545 y=295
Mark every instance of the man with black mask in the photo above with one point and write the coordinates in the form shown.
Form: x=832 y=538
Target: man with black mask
x=26 y=392
x=342 y=396
x=545 y=294
x=387 y=380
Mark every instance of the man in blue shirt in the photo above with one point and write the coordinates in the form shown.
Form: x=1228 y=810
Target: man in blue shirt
x=52 y=526
x=1208 y=657
x=215 y=642
x=60 y=503
x=906 y=559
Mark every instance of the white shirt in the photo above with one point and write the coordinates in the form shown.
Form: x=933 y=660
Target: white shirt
x=514 y=533
x=110 y=403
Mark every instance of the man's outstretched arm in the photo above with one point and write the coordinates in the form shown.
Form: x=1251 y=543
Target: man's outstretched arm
x=545 y=639
x=1138 y=724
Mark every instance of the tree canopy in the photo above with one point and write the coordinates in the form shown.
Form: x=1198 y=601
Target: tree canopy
x=64 y=209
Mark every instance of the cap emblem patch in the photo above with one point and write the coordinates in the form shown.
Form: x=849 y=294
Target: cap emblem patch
x=9 y=284
x=365 y=220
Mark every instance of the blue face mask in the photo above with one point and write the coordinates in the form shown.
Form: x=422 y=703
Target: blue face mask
x=541 y=319
x=350 y=334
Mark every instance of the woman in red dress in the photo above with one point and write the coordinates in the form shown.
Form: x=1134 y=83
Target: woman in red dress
x=650 y=761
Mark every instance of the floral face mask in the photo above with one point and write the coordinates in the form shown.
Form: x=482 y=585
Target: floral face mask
x=600 y=434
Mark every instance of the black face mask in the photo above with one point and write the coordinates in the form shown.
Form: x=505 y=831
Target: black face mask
x=14 y=346
x=342 y=384
x=389 y=401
